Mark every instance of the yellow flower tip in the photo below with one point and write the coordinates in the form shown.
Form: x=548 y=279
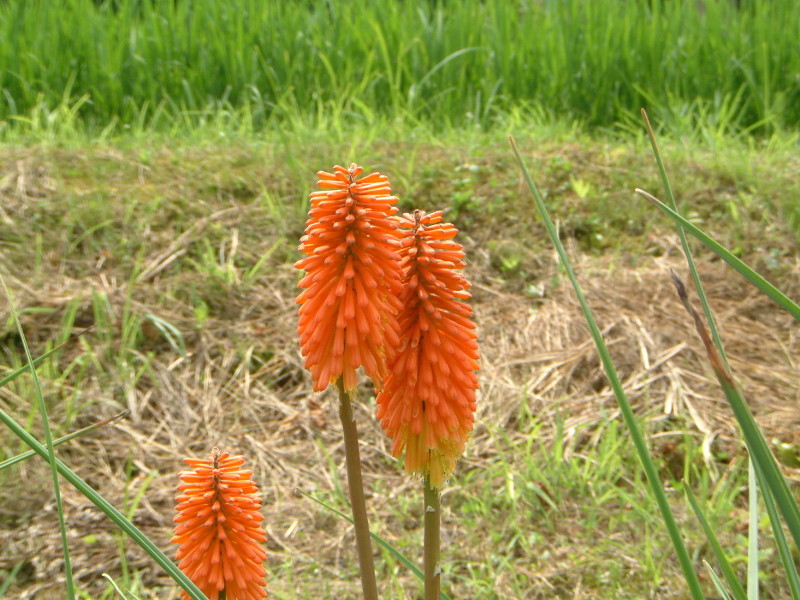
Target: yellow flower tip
x=349 y=300
x=427 y=404
x=218 y=529
x=436 y=462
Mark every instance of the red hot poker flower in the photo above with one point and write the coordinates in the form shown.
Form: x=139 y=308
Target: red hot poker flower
x=219 y=529
x=427 y=404
x=351 y=290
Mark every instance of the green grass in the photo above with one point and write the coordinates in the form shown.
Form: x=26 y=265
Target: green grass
x=253 y=65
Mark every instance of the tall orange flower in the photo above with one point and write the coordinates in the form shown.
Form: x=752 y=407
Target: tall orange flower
x=428 y=401
x=351 y=290
x=219 y=529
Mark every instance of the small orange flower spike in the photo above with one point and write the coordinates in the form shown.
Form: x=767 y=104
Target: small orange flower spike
x=427 y=404
x=219 y=529
x=350 y=298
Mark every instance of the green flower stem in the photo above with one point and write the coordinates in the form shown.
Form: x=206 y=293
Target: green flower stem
x=353 y=458
x=432 y=541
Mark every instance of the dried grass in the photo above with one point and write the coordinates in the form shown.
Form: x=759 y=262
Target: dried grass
x=242 y=386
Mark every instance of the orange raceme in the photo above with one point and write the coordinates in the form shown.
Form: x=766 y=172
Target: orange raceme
x=351 y=289
x=219 y=529
x=427 y=404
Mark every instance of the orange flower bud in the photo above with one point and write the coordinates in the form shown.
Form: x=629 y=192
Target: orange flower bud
x=219 y=529
x=427 y=404
x=351 y=289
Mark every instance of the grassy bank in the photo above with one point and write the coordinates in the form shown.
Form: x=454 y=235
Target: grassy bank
x=179 y=253
x=728 y=66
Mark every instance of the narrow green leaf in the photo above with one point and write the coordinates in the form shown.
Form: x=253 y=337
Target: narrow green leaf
x=625 y=407
x=10 y=579
x=738 y=265
x=51 y=456
x=727 y=571
x=113 y=583
x=789 y=566
x=381 y=542
x=754 y=439
x=108 y=509
x=717 y=583
x=687 y=252
x=763 y=458
x=752 y=534
x=14 y=374
x=88 y=429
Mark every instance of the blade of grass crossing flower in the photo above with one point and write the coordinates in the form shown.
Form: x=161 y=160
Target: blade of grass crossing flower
x=381 y=542
x=108 y=509
x=88 y=429
x=738 y=265
x=752 y=534
x=51 y=457
x=789 y=566
x=754 y=439
x=625 y=407
x=724 y=565
x=684 y=242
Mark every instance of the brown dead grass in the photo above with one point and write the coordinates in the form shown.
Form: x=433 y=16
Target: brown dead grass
x=242 y=386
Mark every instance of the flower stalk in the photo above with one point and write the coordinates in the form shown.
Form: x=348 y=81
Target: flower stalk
x=432 y=542
x=348 y=308
x=358 y=504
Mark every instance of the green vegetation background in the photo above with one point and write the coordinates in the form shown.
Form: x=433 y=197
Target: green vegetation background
x=732 y=65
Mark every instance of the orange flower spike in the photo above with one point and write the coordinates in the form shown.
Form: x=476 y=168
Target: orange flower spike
x=350 y=298
x=219 y=529
x=427 y=405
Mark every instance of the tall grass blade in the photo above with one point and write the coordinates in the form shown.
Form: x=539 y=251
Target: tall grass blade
x=38 y=360
x=662 y=171
x=10 y=578
x=381 y=542
x=113 y=584
x=717 y=582
x=108 y=509
x=754 y=439
x=70 y=436
x=752 y=534
x=51 y=457
x=789 y=566
x=738 y=265
x=625 y=407
x=724 y=565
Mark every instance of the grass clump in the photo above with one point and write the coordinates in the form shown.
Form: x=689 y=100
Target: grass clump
x=249 y=66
